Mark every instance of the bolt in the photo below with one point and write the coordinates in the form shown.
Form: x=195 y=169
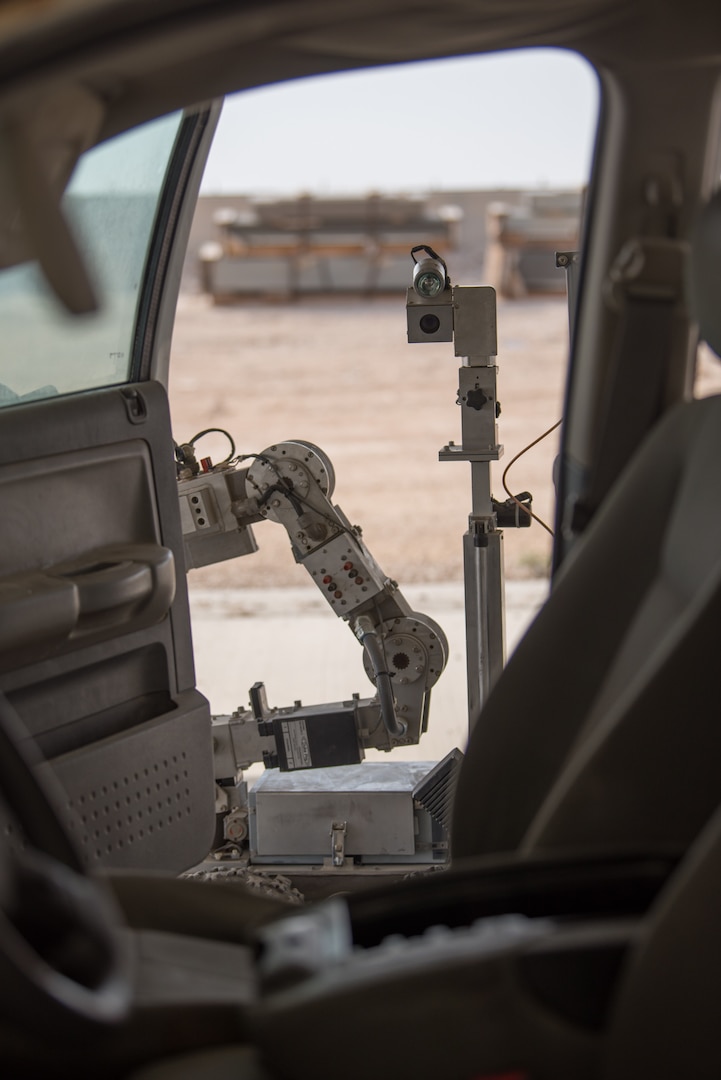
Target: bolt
x=419 y=668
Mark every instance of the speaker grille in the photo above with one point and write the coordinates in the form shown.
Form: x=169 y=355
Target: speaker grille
x=132 y=807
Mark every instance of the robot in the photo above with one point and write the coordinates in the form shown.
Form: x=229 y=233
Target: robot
x=350 y=815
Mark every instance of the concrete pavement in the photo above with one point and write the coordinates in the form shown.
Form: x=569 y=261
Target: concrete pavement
x=290 y=640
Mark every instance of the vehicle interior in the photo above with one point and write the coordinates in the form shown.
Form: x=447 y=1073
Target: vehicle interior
x=574 y=932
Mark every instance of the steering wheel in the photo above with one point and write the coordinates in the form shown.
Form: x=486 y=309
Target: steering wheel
x=63 y=964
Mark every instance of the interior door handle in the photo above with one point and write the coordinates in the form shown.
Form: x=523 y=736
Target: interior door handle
x=121 y=587
x=105 y=585
x=120 y=581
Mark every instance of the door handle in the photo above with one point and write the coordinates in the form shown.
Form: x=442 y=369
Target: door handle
x=121 y=581
x=121 y=587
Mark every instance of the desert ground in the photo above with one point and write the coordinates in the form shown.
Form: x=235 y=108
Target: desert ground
x=341 y=374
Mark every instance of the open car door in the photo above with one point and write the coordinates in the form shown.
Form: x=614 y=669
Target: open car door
x=95 y=647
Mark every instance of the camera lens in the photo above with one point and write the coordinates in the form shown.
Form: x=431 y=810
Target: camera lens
x=429 y=278
x=429 y=324
x=429 y=284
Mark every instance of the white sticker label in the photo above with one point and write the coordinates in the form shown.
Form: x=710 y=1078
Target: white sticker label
x=295 y=742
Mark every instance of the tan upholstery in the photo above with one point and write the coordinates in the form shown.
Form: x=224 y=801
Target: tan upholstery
x=603 y=730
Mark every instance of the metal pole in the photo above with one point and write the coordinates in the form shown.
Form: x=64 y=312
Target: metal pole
x=475 y=341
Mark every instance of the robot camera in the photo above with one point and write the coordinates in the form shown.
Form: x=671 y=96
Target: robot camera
x=429 y=302
x=429 y=274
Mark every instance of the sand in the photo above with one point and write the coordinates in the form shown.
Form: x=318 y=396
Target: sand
x=341 y=374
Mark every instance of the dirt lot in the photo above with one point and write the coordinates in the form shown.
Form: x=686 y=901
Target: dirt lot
x=340 y=373
x=343 y=376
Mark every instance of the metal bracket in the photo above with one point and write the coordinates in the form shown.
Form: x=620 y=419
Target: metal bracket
x=480 y=527
x=338 y=832
x=647 y=268
x=570 y=263
x=451 y=452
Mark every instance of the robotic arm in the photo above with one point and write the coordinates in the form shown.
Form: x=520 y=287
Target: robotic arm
x=404 y=652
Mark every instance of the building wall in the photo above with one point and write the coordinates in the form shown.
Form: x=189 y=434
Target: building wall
x=466 y=264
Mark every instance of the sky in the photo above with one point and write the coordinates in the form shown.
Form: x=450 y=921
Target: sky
x=510 y=120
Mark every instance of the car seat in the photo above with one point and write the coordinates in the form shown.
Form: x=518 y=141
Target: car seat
x=600 y=734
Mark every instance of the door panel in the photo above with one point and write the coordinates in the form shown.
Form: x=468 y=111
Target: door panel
x=95 y=648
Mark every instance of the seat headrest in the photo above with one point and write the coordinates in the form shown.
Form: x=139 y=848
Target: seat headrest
x=705 y=272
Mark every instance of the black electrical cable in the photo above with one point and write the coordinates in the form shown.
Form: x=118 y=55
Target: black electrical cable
x=217 y=431
x=395 y=727
x=367 y=634
x=526 y=509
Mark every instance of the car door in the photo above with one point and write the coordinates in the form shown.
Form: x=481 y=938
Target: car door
x=95 y=645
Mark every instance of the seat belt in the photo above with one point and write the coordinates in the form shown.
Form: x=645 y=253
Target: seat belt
x=646 y=283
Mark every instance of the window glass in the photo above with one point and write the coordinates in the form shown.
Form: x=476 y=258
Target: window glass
x=111 y=204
